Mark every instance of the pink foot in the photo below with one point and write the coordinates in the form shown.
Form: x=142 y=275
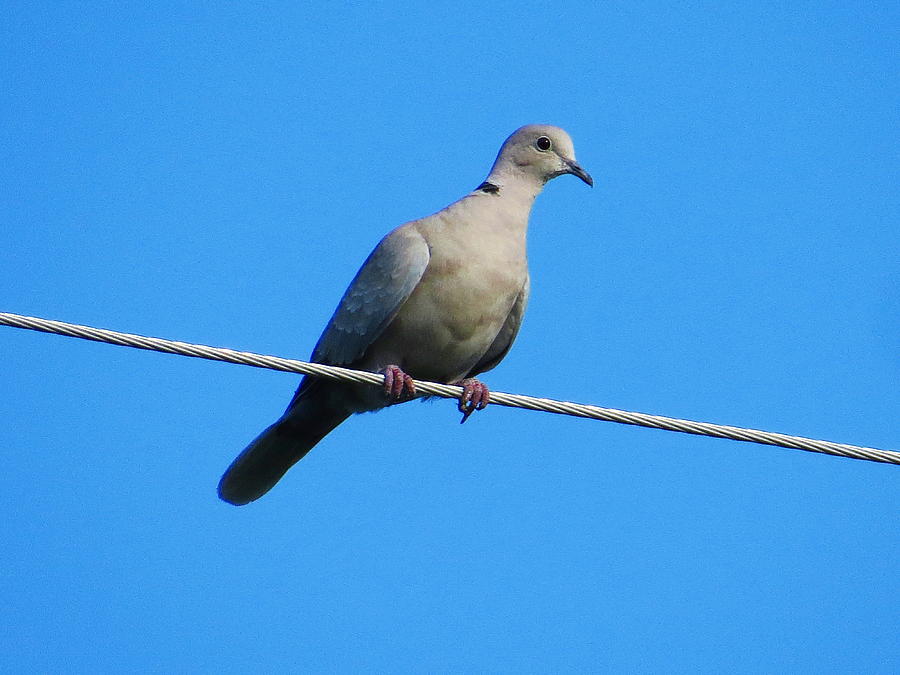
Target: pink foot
x=475 y=396
x=398 y=386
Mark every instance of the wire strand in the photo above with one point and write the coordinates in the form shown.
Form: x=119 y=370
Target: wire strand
x=449 y=391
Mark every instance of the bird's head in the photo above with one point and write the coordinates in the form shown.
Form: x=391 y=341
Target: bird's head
x=540 y=152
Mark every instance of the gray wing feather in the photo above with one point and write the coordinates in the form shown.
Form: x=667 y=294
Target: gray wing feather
x=383 y=283
x=507 y=334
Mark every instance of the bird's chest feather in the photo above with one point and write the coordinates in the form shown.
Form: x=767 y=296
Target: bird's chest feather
x=465 y=293
x=462 y=301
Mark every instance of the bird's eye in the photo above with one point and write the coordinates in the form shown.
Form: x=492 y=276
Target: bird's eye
x=543 y=144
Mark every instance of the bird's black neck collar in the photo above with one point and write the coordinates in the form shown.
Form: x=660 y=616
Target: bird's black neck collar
x=488 y=187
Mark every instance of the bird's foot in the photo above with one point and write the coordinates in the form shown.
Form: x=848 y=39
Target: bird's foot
x=475 y=396
x=398 y=386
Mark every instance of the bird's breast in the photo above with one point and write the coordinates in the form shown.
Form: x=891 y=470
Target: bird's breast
x=458 y=308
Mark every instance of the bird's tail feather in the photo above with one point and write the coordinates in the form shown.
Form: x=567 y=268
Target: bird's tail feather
x=274 y=451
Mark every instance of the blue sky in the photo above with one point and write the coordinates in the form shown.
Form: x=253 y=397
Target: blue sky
x=217 y=174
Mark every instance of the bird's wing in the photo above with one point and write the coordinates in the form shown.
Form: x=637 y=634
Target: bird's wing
x=507 y=334
x=383 y=283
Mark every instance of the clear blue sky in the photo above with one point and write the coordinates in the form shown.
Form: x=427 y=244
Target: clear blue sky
x=217 y=174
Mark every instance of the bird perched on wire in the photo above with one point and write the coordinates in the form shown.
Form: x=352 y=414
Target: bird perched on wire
x=440 y=298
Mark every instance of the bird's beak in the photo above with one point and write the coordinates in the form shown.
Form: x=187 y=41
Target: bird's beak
x=575 y=169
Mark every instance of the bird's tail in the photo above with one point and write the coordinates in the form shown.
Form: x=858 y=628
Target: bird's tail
x=275 y=450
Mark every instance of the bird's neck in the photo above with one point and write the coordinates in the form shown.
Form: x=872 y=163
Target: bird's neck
x=512 y=186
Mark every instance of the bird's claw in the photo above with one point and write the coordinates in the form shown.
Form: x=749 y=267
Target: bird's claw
x=398 y=386
x=475 y=396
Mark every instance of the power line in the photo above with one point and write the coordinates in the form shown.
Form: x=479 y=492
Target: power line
x=449 y=391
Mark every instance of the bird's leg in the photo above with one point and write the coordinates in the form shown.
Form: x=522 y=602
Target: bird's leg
x=398 y=386
x=475 y=396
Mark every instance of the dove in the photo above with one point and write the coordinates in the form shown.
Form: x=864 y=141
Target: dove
x=440 y=298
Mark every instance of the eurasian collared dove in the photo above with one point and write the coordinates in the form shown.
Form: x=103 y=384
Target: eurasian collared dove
x=440 y=298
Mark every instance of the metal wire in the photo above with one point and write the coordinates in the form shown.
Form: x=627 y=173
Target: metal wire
x=449 y=391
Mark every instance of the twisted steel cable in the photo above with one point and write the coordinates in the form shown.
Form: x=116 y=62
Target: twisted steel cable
x=450 y=391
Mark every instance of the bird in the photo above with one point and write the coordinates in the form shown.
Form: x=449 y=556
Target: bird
x=440 y=298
